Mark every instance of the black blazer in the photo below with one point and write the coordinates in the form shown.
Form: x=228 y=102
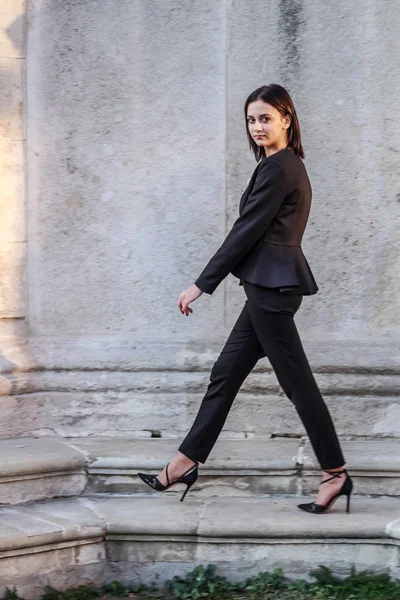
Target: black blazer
x=264 y=244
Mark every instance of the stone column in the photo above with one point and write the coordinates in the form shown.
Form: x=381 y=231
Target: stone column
x=13 y=304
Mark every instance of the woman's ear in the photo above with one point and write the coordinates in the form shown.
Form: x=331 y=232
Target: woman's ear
x=286 y=121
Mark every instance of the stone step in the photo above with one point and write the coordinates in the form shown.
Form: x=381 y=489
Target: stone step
x=240 y=467
x=34 y=469
x=68 y=542
x=54 y=542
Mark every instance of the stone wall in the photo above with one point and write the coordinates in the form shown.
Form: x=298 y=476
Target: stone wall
x=13 y=308
x=136 y=159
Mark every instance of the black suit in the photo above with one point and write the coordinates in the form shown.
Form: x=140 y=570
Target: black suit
x=263 y=249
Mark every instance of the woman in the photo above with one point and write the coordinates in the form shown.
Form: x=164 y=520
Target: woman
x=263 y=249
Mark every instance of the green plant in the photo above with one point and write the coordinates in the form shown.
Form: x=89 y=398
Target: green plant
x=364 y=585
x=199 y=583
x=202 y=582
x=265 y=582
x=115 y=588
x=11 y=594
x=81 y=592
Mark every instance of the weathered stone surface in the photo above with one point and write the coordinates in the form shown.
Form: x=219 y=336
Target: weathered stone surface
x=102 y=129
x=238 y=561
x=12 y=201
x=39 y=469
x=11 y=107
x=47 y=522
x=353 y=416
x=57 y=543
x=147 y=536
x=242 y=467
x=227 y=455
x=127 y=198
x=12 y=278
x=363 y=456
x=260 y=381
x=393 y=529
x=102 y=413
x=12 y=28
x=351 y=241
x=123 y=414
x=370 y=363
x=19 y=488
x=62 y=566
x=12 y=209
x=25 y=456
x=296 y=543
x=235 y=467
x=244 y=518
x=49 y=467
x=213 y=484
x=373 y=465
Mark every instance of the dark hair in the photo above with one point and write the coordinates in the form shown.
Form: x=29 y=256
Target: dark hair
x=277 y=96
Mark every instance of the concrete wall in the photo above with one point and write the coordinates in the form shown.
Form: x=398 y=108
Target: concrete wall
x=136 y=160
x=126 y=164
x=137 y=157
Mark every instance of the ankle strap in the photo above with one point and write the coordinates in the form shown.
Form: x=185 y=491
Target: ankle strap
x=335 y=474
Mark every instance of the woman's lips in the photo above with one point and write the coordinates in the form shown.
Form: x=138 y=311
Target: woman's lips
x=259 y=136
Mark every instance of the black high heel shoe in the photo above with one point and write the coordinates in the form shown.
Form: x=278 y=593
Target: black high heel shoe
x=189 y=477
x=345 y=490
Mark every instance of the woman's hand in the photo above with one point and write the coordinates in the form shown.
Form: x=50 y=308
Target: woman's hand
x=188 y=296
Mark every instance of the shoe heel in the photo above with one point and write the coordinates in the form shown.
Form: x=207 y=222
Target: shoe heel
x=348 y=504
x=189 y=485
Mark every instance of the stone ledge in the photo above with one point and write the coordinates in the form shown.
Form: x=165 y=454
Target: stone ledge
x=34 y=469
x=265 y=517
x=125 y=353
x=374 y=466
x=38 y=455
x=242 y=467
x=163 y=537
x=121 y=414
x=261 y=381
x=235 y=467
x=48 y=522
x=41 y=468
x=393 y=529
x=363 y=456
x=256 y=454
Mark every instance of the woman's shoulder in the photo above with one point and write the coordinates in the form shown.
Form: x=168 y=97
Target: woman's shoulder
x=274 y=164
x=284 y=156
x=288 y=161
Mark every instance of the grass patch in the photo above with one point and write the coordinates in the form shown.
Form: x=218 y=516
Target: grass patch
x=203 y=583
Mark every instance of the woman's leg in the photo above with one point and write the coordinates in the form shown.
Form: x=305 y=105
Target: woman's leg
x=238 y=357
x=272 y=316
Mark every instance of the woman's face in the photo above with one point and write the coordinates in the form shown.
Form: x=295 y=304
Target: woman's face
x=267 y=126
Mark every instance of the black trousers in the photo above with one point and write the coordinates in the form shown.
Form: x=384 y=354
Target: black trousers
x=265 y=327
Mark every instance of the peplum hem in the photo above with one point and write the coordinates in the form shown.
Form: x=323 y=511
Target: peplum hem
x=277 y=266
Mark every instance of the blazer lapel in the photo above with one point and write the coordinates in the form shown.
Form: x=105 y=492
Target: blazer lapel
x=247 y=191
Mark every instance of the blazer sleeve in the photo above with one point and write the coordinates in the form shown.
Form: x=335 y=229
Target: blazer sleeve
x=263 y=203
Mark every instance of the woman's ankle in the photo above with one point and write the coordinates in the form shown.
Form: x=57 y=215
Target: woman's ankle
x=334 y=470
x=183 y=459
